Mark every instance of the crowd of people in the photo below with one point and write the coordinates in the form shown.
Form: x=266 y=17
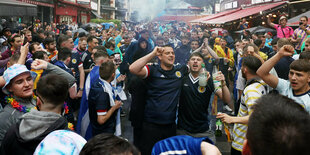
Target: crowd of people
x=63 y=88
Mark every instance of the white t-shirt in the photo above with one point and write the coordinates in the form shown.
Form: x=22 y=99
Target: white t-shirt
x=284 y=88
x=240 y=83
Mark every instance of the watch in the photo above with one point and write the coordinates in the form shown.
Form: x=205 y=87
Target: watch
x=81 y=89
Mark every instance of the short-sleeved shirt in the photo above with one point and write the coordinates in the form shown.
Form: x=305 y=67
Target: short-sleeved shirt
x=250 y=94
x=88 y=62
x=79 y=51
x=99 y=104
x=285 y=32
x=284 y=88
x=63 y=66
x=193 y=105
x=180 y=145
x=300 y=33
x=76 y=63
x=163 y=91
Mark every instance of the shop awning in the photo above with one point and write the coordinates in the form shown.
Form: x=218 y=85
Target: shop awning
x=17 y=8
x=96 y=14
x=202 y=20
x=51 y=5
x=243 y=13
x=295 y=20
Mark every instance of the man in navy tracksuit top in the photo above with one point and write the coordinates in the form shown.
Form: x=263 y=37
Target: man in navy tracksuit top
x=163 y=89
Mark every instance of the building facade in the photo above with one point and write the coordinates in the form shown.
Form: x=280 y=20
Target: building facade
x=71 y=11
x=122 y=9
x=234 y=4
x=45 y=9
x=107 y=9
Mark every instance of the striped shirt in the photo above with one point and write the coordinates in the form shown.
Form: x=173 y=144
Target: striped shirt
x=250 y=94
x=300 y=33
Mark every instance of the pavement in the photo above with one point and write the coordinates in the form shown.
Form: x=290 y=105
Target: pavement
x=127 y=131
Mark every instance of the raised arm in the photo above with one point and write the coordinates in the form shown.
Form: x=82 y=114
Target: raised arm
x=212 y=53
x=52 y=69
x=199 y=49
x=264 y=70
x=271 y=24
x=23 y=54
x=210 y=50
x=137 y=67
x=224 y=93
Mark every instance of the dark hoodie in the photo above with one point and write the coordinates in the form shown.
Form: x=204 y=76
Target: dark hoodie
x=137 y=88
x=182 y=54
x=24 y=137
x=133 y=48
x=141 y=52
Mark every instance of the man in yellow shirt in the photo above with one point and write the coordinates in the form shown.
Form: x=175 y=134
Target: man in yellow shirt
x=224 y=52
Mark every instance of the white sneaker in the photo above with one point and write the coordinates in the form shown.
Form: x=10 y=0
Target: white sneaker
x=226 y=107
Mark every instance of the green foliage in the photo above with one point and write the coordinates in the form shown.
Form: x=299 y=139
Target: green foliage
x=99 y=21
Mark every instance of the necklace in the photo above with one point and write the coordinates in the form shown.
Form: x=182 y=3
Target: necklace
x=17 y=105
x=21 y=108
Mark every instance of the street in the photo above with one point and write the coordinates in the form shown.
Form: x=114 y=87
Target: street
x=127 y=132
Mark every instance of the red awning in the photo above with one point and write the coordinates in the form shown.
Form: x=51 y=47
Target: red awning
x=177 y=18
x=243 y=13
x=38 y=3
x=75 y=4
x=214 y=16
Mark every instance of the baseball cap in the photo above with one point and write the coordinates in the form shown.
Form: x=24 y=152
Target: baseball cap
x=269 y=33
x=11 y=72
x=6 y=29
x=282 y=17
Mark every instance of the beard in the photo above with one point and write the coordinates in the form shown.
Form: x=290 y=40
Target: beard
x=243 y=74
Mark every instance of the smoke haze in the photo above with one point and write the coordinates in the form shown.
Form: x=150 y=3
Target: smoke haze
x=148 y=8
